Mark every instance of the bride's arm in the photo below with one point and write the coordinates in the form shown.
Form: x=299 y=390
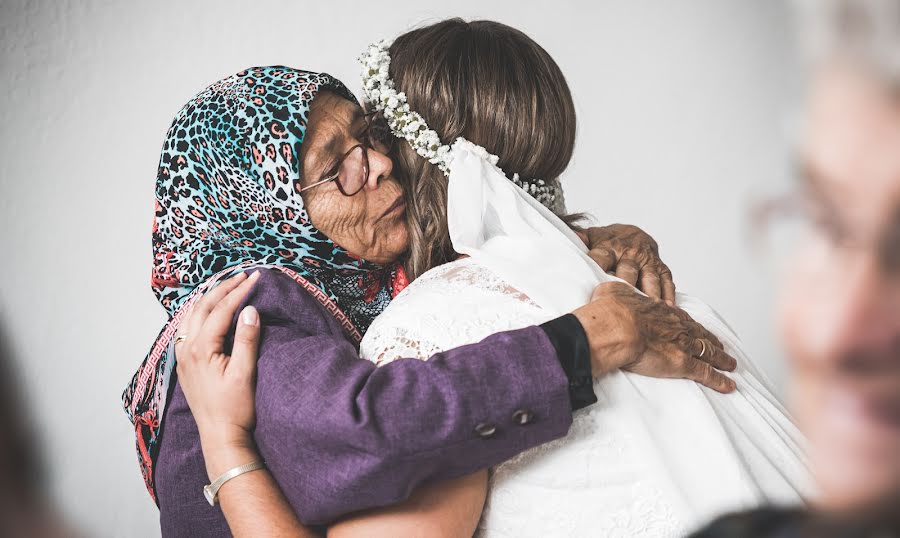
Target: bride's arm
x=444 y=509
x=252 y=503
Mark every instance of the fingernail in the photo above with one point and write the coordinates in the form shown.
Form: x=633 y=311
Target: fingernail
x=250 y=316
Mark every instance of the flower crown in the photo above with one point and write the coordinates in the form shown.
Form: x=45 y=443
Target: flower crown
x=404 y=123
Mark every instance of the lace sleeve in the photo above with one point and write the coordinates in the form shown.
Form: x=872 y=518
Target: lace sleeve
x=398 y=342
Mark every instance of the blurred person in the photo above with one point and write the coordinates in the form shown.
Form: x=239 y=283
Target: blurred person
x=24 y=507
x=840 y=302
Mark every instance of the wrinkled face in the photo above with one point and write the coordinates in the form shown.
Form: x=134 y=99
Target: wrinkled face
x=840 y=311
x=370 y=224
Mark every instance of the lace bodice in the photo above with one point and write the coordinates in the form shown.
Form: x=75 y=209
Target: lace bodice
x=452 y=305
x=588 y=482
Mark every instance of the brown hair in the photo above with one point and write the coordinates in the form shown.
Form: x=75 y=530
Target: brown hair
x=491 y=84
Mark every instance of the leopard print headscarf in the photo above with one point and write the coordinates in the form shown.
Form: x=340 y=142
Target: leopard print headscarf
x=227 y=200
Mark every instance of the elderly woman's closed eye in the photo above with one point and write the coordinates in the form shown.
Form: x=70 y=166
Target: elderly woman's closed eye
x=348 y=185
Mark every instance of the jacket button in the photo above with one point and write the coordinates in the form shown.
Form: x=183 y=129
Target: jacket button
x=523 y=417
x=485 y=430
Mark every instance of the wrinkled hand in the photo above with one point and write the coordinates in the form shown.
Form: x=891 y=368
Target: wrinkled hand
x=631 y=254
x=632 y=332
x=220 y=389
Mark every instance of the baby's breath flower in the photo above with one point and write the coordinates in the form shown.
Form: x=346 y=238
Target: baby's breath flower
x=380 y=93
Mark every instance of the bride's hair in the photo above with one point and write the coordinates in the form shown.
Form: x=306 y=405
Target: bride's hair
x=491 y=84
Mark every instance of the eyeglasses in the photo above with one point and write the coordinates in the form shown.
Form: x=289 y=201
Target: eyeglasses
x=352 y=170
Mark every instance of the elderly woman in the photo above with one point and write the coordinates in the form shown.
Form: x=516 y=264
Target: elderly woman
x=278 y=169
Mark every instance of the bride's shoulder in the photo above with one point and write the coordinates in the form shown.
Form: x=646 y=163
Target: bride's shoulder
x=467 y=276
x=413 y=323
x=458 y=273
x=458 y=303
x=452 y=270
x=464 y=288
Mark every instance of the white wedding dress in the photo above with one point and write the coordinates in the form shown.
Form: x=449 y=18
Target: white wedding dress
x=652 y=457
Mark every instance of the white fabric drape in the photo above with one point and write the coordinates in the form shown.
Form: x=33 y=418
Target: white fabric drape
x=711 y=452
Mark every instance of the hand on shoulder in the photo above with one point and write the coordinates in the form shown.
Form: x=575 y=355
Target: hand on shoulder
x=630 y=331
x=220 y=388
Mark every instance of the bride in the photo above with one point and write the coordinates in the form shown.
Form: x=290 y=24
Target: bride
x=653 y=457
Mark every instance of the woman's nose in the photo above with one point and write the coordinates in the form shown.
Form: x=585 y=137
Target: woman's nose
x=865 y=312
x=380 y=167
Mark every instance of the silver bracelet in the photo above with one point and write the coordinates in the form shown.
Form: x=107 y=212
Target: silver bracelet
x=211 y=491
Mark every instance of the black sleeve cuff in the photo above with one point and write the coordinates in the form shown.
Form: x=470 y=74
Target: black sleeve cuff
x=568 y=337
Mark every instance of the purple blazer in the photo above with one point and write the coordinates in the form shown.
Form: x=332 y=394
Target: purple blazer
x=340 y=435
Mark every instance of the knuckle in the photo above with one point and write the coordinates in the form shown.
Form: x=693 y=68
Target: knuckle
x=627 y=258
x=244 y=337
x=617 y=287
x=223 y=306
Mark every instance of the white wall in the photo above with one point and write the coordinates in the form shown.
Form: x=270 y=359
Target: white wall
x=679 y=107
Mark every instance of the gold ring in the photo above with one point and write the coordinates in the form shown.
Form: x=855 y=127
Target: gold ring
x=180 y=338
x=703 y=350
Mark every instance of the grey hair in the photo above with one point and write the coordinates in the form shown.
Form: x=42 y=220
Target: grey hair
x=861 y=33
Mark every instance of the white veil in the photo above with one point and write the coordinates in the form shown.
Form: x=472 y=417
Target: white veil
x=496 y=223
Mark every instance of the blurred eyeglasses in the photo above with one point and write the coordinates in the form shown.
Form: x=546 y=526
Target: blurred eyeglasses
x=796 y=223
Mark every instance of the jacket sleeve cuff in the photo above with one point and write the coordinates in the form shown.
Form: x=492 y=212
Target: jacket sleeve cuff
x=571 y=344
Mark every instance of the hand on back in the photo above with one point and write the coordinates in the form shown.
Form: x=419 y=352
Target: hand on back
x=632 y=332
